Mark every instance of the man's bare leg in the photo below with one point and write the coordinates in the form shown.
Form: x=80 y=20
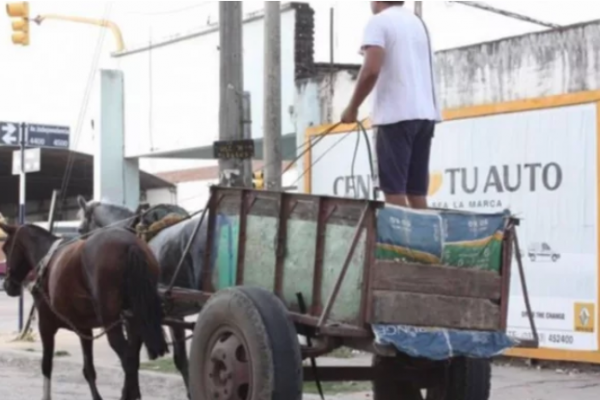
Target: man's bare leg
x=398 y=200
x=418 y=202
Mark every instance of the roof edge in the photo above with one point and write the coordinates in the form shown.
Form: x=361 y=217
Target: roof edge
x=522 y=36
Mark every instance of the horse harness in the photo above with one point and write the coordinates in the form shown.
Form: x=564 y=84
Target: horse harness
x=42 y=266
x=148 y=232
x=154 y=220
x=35 y=287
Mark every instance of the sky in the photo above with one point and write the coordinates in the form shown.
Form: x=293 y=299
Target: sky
x=46 y=82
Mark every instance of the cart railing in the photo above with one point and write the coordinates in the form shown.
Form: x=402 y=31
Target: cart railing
x=322 y=249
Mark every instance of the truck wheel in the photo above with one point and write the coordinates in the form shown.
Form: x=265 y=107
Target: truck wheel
x=245 y=347
x=468 y=379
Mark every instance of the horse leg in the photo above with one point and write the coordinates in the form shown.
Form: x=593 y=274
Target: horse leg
x=133 y=360
x=121 y=346
x=180 y=355
x=47 y=332
x=89 y=372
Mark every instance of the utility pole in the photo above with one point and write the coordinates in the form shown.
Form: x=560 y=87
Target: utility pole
x=419 y=8
x=22 y=202
x=247 y=129
x=232 y=171
x=272 y=110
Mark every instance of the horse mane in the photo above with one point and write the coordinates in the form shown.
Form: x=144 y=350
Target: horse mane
x=42 y=231
x=115 y=208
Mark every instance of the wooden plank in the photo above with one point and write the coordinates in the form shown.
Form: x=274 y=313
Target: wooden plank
x=348 y=213
x=395 y=308
x=436 y=280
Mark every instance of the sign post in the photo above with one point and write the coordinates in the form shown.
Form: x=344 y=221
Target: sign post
x=27 y=161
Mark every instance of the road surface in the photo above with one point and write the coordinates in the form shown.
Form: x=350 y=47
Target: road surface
x=20 y=375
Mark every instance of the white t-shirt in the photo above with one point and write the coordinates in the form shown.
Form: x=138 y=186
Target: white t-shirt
x=404 y=90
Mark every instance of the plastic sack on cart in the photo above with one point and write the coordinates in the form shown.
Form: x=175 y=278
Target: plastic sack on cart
x=442 y=344
x=452 y=238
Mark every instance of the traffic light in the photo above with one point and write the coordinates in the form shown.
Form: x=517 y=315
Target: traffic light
x=258 y=180
x=20 y=25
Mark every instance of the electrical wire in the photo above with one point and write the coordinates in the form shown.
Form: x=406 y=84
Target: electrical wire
x=151 y=93
x=352 y=176
x=369 y=153
x=83 y=109
x=308 y=146
x=321 y=157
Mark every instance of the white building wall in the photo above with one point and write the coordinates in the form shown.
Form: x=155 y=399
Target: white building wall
x=530 y=66
x=172 y=89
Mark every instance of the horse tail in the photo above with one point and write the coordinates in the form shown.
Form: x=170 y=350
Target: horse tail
x=145 y=303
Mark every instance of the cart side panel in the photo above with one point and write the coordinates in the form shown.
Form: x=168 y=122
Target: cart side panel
x=439 y=269
x=300 y=253
x=346 y=308
x=225 y=240
x=261 y=244
x=294 y=246
x=428 y=296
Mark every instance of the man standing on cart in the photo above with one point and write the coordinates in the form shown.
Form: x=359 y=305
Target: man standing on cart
x=398 y=69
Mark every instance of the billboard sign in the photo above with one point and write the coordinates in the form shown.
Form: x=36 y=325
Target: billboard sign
x=541 y=164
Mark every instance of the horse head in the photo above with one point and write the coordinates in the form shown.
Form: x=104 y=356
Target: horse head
x=24 y=247
x=97 y=215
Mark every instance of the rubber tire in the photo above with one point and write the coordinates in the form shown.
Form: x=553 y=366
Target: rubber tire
x=469 y=379
x=385 y=389
x=270 y=336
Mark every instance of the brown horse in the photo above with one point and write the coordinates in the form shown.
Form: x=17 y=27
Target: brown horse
x=107 y=281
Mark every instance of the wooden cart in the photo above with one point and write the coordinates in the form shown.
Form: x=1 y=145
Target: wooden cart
x=305 y=265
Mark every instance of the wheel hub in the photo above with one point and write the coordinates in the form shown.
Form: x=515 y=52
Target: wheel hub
x=229 y=369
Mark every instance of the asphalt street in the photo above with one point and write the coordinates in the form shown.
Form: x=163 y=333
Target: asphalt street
x=20 y=375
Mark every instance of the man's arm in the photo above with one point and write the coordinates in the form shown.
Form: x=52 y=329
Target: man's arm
x=373 y=49
x=368 y=76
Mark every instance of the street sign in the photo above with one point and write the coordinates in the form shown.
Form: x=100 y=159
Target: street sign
x=33 y=161
x=234 y=149
x=9 y=134
x=48 y=136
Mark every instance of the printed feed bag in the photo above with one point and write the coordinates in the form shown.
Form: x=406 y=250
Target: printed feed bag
x=454 y=238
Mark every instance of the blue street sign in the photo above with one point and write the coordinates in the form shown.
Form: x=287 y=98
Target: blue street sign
x=9 y=134
x=49 y=136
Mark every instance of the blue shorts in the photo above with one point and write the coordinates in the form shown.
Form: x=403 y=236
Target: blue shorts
x=403 y=157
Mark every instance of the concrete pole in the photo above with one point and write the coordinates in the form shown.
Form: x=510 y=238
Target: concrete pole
x=232 y=172
x=272 y=109
x=419 y=8
x=115 y=178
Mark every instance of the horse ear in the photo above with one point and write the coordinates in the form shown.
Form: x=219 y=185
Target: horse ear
x=82 y=203
x=8 y=229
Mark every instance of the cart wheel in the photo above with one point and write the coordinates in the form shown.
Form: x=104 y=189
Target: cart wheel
x=245 y=347
x=468 y=379
x=387 y=389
